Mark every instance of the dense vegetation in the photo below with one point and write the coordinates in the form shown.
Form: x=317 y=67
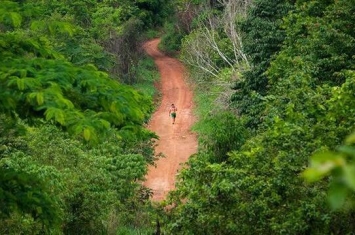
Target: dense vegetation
x=275 y=90
x=281 y=79
x=72 y=142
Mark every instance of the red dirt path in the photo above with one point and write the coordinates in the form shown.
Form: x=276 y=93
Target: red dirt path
x=176 y=142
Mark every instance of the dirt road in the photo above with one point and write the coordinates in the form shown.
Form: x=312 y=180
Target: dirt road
x=176 y=142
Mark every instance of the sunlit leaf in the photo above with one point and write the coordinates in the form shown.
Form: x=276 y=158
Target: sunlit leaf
x=350 y=139
x=40 y=98
x=87 y=134
x=20 y=83
x=323 y=157
x=56 y=114
x=313 y=174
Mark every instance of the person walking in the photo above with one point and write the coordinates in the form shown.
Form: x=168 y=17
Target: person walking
x=172 y=112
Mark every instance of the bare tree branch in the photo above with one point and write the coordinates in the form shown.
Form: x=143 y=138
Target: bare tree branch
x=208 y=43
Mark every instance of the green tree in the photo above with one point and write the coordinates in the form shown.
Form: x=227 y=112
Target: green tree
x=263 y=38
x=53 y=77
x=36 y=80
x=24 y=193
x=304 y=110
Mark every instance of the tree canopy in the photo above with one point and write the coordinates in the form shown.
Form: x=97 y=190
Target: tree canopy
x=72 y=139
x=293 y=101
x=274 y=83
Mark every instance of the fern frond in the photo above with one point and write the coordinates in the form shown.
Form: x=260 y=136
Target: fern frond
x=55 y=113
x=38 y=96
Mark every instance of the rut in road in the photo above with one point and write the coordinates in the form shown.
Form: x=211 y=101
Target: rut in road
x=176 y=141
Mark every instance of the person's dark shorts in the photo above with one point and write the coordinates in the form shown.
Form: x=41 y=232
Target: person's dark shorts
x=173 y=115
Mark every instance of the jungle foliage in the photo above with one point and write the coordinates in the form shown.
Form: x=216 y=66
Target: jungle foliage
x=275 y=85
x=73 y=147
x=292 y=99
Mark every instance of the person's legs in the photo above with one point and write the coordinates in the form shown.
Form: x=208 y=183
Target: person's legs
x=173 y=115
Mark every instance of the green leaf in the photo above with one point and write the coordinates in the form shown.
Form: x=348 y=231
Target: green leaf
x=56 y=114
x=313 y=174
x=350 y=139
x=87 y=134
x=319 y=158
x=347 y=150
x=16 y=19
x=349 y=176
x=20 y=84
x=337 y=195
x=322 y=164
x=13 y=18
x=105 y=123
x=65 y=27
x=39 y=98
